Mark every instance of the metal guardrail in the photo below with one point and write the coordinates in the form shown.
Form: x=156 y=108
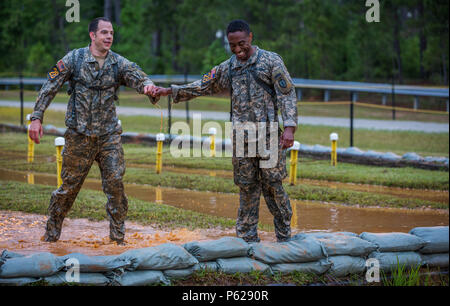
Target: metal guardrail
x=298 y=83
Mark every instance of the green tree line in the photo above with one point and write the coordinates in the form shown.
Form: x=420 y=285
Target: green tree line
x=318 y=39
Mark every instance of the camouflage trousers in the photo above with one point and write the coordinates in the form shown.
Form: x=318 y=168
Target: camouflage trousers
x=79 y=153
x=252 y=180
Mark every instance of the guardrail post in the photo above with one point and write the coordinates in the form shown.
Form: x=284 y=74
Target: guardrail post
x=299 y=94
x=351 y=119
x=383 y=99
x=326 y=96
x=447 y=106
x=416 y=102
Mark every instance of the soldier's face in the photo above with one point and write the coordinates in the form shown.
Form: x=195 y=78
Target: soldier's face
x=241 y=44
x=103 y=37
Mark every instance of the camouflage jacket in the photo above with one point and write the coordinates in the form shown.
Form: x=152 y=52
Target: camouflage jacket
x=250 y=101
x=91 y=109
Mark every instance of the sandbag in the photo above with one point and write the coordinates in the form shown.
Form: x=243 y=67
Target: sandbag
x=8 y=254
x=95 y=264
x=394 y=242
x=341 y=243
x=242 y=265
x=36 y=265
x=435 y=260
x=207 y=265
x=344 y=265
x=97 y=279
x=139 y=278
x=390 y=261
x=179 y=273
x=436 y=238
x=222 y=248
x=18 y=281
x=162 y=257
x=303 y=249
x=316 y=267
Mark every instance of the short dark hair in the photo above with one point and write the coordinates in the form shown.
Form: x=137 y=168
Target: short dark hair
x=93 y=25
x=238 y=25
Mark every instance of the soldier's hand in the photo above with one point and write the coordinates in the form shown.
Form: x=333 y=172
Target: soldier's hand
x=287 y=138
x=149 y=90
x=36 y=131
x=161 y=91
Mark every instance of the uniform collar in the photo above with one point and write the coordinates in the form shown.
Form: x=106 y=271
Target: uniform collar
x=250 y=61
x=109 y=59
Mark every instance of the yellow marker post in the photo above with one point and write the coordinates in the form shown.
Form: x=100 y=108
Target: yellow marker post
x=212 y=144
x=30 y=141
x=59 y=144
x=294 y=217
x=159 y=146
x=30 y=178
x=294 y=161
x=158 y=195
x=334 y=138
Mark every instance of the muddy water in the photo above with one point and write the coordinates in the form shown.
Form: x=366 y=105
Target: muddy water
x=92 y=237
x=428 y=195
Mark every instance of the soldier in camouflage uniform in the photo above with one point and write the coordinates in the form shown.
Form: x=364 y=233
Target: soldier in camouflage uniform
x=259 y=85
x=93 y=134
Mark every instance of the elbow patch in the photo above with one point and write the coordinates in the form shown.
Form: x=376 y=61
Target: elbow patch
x=282 y=81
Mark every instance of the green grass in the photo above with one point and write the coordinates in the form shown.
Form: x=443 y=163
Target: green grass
x=90 y=204
x=11 y=147
x=399 y=142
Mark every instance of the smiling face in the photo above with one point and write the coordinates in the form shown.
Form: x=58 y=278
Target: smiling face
x=103 y=38
x=241 y=44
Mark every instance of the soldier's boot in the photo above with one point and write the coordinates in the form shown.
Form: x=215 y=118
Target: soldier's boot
x=248 y=213
x=116 y=209
x=279 y=206
x=60 y=204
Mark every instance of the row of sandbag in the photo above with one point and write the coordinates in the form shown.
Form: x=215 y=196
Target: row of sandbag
x=338 y=254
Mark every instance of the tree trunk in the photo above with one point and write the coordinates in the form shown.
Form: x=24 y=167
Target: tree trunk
x=117 y=11
x=397 y=44
x=108 y=9
x=422 y=39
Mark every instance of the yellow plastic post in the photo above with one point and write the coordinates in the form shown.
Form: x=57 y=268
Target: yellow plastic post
x=159 y=146
x=334 y=138
x=59 y=144
x=30 y=142
x=294 y=161
x=294 y=222
x=212 y=144
x=158 y=195
x=30 y=178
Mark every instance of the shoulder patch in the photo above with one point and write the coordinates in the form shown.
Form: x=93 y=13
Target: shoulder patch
x=282 y=81
x=61 y=66
x=207 y=77
x=53 y=73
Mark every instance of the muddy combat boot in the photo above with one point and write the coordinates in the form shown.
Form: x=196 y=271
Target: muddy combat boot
x=52 y=230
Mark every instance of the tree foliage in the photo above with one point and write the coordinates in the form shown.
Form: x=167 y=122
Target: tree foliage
x=324 y=39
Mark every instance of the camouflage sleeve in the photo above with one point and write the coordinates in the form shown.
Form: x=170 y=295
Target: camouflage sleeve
x=286 y=97
x=133 y=76
x=213 y=82
x=56 y=77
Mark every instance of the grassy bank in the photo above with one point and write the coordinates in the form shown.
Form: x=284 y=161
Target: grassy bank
x=204 y=182
x=13 y=148
x=399 y=142
x=90 y=204
x=131 y=99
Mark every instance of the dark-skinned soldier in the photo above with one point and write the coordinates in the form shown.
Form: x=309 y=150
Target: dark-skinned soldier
x=259 y=85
